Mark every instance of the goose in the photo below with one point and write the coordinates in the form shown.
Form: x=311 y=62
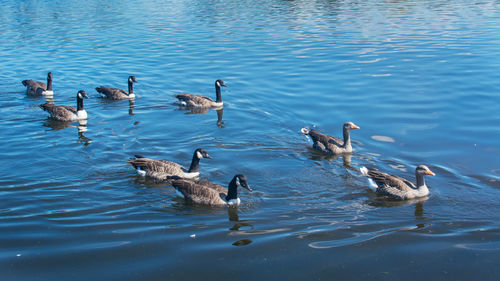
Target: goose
x=397 y=187
x=118 y=94
x=332 y=145
x=161 y=169
x=34 y=88
x=65 y=112
x=207 y=193
x=199 y=101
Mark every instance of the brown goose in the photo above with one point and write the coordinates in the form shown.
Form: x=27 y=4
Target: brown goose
x=118 y=94
x=34 y=88
x=65 y=112
x=396 y=187
x=332 y=145
x=207 y=193
x=161 y=169
x=198 y=101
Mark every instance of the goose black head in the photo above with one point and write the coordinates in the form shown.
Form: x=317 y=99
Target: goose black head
x=241 y=180
x=202 y=153
x=49 y=76
x=132 y=79
x=82 y=94
x=350 y=126
x=220 y=83
x=424 y=170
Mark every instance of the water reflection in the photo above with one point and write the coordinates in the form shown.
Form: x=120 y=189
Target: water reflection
x=233 y=216
x=131 y=107
x=346 y=157
x=56 y=125
x=220 y=112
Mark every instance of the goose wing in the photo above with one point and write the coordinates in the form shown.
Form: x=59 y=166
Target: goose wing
x=384 y=180
x=324 y=139
x=194 y=100
x=157 y=168
x=60 y=112
x=32 y=86
x=112 y=93
x=199 y=192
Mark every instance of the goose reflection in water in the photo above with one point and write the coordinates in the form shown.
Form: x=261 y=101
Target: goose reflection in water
x=346 y=158
x=233 y=216
x=56 y=125
x=220 y=123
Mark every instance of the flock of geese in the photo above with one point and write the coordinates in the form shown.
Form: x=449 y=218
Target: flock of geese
x=186 y=181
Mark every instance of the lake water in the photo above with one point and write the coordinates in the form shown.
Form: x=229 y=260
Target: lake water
x=421 y=79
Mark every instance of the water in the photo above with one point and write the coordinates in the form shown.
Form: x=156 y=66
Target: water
x=419 y=77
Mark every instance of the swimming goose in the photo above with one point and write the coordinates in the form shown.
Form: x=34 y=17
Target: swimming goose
x=65 y=112
x=329 y=144
x=396 y=187
x=207 y=193
x=161 y=169
x=34 y=88
x=199 y=101
x=118 y=94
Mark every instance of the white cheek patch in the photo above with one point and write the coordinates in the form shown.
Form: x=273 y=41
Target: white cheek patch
x=218 y=84
x=199 y=155
x=80 y=96
x=238 y=181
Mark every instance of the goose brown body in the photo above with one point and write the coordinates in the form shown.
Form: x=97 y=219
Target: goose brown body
x=35 y=88
x=65 y=112
x=199 y=101
x=116 y=93
x=207 y=193
x=161 y=169
x=398 y=187
x=329 y=144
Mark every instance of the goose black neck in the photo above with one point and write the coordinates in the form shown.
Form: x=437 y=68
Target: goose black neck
x=49 y=83
x=195 y=163
x=420 y=179
x=217 y=93
x=79 y=103
x=232 y=190
x=347 y=138
x=130 y=87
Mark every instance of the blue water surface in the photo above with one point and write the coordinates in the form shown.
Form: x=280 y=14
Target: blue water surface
x=420 y=78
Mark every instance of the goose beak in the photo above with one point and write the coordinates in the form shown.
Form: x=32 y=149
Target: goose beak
x=429 y=172
x=207 y=156
x=355 y=127
x=248 y=187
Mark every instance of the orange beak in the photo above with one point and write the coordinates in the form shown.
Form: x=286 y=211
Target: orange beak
x=429 y=172
x=355 y=127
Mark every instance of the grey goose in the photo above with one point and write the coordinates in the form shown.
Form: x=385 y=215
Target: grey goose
x=397 y=187
x=161 y=169
x=34 y=88
x=332 y=145
x=199 y=101
x=118 y=94
x=65 y=112
x=207 y=193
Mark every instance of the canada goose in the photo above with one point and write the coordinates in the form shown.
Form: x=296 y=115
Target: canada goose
x=34 y=88
x=161 y=169
x=118 y=94
x=199 y=101
x=329 y=144
x=396 y=187
x=207 y=193
x=65 y=112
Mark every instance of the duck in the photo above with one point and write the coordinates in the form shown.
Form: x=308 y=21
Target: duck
x=207 y=193
x=161 y=169
x=118 y=94
x=397 y=187
x=65 y=112
x=34 y=88
x=199 y=101
x=332 y=145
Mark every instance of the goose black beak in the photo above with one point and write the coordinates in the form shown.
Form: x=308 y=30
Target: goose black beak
x=248 y=187
x=207 y=156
